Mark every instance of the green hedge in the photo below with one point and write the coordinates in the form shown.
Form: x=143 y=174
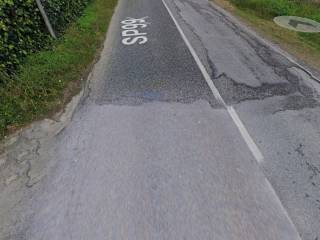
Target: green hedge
x=62 y=12
x=49 y=78
x=22 y=30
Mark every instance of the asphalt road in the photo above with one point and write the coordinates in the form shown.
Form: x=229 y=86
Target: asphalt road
x=201 y=131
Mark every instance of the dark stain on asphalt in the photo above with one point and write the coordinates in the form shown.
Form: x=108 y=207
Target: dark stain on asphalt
x=135 y=98
x=299 y=150
x=298 y=94
x=235 y=92
x=314 y=169
x=297 y=102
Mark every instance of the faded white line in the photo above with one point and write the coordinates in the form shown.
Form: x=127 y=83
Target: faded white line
x=245 y=134
x=242 y=129
x=273 y=192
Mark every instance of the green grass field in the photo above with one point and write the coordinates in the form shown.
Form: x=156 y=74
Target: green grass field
x=48 y=79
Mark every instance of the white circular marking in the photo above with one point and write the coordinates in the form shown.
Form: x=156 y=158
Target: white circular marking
x=298 y=24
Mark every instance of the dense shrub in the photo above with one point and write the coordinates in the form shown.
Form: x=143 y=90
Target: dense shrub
x=62 y=12
x=47 y=79
x=23 y=31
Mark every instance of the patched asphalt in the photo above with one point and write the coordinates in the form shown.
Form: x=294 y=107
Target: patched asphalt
x=151 y=154
x=162 y=69
x=277 y=100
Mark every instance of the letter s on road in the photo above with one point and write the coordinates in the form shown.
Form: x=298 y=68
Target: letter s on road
x=133 y=40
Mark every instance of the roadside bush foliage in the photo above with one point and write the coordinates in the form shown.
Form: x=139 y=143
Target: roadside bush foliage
x=62 y=12
x=47 y=79
x=22 y=29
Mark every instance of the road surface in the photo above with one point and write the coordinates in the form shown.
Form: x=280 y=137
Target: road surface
x=193 y=129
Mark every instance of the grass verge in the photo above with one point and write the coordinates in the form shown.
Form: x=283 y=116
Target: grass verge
x=259 y=14
x=48 y=79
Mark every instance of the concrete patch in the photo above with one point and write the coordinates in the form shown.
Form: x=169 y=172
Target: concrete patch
x=22 y=147
x=298 y=24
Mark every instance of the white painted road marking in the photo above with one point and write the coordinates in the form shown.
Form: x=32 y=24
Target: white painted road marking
x=236 y=119
x=132 y=31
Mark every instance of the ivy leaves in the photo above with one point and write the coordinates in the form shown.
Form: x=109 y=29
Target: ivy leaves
x=22 y=30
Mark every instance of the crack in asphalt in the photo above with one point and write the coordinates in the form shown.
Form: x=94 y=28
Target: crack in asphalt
x=212 y=69
x=314 y=169
x=299 y=95
x=29 y=168
x=275 y=59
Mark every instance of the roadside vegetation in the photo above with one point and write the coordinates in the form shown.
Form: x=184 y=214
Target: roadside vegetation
x=47 y=79
x=273 y=8
x=259 y=15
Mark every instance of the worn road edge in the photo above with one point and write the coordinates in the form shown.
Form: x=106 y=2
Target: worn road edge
x=246 y=29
